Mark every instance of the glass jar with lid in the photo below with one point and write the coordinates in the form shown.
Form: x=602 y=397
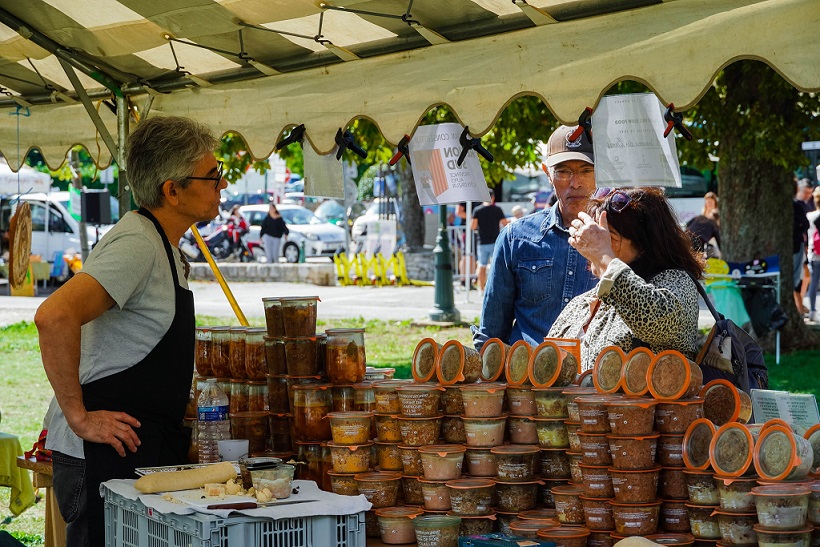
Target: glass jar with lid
x=236 y=358
x=345 y=356
x=273 y=315
x=280 y=426
x=258 y=395
x=255 y=363
x=343 y=398
x=299 y=315
x=278 y=398
x=221 y=352
x=311 y=403
x=238 y=400
x=202 y=353
x=275 y=355
x=309 y=455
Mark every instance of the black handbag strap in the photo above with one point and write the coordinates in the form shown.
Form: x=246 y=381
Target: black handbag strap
x=717 y=315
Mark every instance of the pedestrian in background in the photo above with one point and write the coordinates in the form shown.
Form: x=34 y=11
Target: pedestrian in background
x=814 y=253
x=488 y=219
x=273 y=230
x=800 y=228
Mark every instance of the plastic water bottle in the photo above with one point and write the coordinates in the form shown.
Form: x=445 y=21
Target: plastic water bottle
x=213 y=422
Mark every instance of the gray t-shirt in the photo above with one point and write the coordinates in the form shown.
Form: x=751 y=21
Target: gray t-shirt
x=131 y=264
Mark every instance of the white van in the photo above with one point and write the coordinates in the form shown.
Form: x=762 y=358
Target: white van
x=53 y=229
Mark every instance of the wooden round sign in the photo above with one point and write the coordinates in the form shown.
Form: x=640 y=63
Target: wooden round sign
x=19 y=244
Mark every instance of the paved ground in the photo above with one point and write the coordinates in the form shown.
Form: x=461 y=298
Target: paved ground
x=369 y=302
x=396 y=303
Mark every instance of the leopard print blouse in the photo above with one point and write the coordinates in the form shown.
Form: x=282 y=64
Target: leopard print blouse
x=662 y=313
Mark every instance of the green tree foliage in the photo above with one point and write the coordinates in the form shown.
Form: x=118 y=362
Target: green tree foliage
x=236 y=159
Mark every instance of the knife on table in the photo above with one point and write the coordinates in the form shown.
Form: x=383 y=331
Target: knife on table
x=253 y=505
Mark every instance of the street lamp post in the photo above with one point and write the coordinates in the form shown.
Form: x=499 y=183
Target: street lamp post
x=444 y=309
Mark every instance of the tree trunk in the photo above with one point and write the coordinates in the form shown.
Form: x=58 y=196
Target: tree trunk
x=413 y=214
x=755 y=188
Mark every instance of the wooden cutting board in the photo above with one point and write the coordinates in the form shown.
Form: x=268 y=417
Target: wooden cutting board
x=19 y=244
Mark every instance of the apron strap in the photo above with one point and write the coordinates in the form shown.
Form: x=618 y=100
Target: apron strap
x=147 y=214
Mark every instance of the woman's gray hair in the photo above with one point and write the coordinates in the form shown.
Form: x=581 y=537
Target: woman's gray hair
x=164 y=148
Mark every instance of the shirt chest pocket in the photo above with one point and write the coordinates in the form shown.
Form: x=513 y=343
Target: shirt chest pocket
x=535 y=279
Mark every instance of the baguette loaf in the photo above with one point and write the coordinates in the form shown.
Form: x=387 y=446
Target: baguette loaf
x=185 y=480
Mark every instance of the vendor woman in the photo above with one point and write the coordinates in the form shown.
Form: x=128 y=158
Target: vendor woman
x=117 y=340
x=646 y=295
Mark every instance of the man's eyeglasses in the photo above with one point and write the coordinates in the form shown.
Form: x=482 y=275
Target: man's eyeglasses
x=565 y=175
x=217 y=178
x=618 y=199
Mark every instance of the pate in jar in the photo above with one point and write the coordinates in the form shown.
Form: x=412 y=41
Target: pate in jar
x=345 y=356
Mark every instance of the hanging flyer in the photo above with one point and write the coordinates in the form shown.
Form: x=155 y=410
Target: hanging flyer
x=434 y=151
x=324 y=175
x=630 y=149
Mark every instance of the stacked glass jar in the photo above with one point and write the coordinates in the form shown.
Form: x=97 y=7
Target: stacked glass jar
x=299 y=394
x=235 y=357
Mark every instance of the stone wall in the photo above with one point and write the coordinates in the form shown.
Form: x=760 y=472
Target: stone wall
x=420 y=264
x=316 y=273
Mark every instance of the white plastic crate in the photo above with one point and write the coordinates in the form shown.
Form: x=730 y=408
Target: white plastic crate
x=129 y=523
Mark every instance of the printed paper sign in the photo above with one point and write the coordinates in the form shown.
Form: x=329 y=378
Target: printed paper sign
x=434 y=151
x=794 y=408
x=324 y=175
x=630 y=149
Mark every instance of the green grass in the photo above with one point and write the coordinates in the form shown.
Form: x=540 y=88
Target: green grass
x=25 y=392
x=797 y=372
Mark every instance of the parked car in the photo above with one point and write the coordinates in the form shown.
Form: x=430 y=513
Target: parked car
x=319 y=237
x=334 y=212
x=380 y=209
x=254 y=198
x=331 y=211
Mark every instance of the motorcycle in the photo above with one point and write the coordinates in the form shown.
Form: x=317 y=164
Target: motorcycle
x=226 y=243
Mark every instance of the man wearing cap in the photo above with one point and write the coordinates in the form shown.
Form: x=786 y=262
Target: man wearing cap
x=535 y=272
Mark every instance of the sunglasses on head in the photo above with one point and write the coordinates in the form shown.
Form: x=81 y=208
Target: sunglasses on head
x=618 y=200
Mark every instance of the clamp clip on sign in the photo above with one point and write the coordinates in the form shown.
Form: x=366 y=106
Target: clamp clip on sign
x=296 y=135
x=402 y=149
x=584 y=126
x=675 y=119
x=344 y=141
x=468 y=144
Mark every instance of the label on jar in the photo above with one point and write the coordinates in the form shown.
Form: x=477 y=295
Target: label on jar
x=349 y=430
x=513 y=469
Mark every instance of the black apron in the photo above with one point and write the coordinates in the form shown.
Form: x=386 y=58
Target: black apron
x=154 y=391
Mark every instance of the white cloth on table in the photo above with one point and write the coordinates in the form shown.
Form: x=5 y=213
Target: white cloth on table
x=326 y=503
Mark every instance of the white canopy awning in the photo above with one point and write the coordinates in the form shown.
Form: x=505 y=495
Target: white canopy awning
x=484 y=53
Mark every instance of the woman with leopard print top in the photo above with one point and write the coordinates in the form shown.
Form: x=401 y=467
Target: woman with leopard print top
x=646 y=294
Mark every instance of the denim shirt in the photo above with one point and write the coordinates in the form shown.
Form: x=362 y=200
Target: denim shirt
x=535 y=273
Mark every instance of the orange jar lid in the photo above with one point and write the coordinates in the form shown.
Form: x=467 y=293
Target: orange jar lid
x=467 y=484
x=378 y=476
x=669 y=365
x=514 y=449
x=607 y=373
x=732 y=450
x=564 y=532
x=721 y=402
x=545 y=364
x=493 y=355
x=453 y=352
x=516 y=364
x=696 y=444
x=425 y=359
x=635 y=371
x=776 y=452
x=442 y=449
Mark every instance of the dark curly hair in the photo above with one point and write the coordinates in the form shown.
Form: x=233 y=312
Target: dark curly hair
x=649 y=222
